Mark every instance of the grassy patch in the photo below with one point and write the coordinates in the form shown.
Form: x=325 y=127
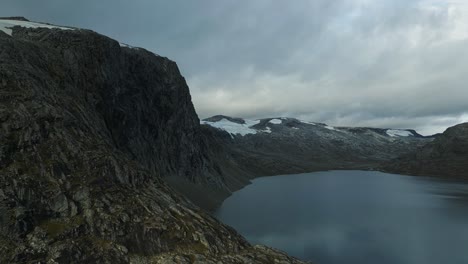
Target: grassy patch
x=56 y=227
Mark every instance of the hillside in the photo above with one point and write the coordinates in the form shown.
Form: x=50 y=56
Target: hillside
x=445 y=157
x=90 y=130
x=273 y=146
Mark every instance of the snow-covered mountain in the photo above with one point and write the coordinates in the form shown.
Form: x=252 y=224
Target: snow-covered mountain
x=281 y=145
x=242 y=127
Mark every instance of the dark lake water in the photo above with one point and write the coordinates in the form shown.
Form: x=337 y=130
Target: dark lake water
x=355 y=217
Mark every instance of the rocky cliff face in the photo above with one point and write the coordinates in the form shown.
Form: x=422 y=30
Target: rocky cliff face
x=89 y=129
x=273 y=146
x=446 y=156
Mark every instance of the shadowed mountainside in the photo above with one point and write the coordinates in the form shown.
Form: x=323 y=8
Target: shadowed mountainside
x=445 y=157
x=274 y=146
x=89 y=130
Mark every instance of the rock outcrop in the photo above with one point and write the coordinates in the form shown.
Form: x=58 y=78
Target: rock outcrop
x=445 y=157
x=90 y=130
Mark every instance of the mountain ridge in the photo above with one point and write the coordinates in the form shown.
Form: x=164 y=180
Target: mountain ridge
x=242 y=121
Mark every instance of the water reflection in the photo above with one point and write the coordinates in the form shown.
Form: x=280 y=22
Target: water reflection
x=355 y=217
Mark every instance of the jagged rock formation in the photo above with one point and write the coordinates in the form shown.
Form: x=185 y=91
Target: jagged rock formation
x=89 y=129
x=446 y=156
x=273 y=146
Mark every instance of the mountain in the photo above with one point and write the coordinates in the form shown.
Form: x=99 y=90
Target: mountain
x=273 y=146
x=91 y=131
x=445 y=157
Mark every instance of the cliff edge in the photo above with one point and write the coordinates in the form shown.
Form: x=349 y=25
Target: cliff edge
x=89 y=130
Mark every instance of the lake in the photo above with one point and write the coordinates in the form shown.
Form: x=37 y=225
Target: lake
x=354 y=217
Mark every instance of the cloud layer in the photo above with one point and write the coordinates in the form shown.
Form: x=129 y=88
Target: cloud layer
x=389 y=63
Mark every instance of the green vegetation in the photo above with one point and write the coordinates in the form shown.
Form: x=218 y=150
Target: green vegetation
x=56 y=227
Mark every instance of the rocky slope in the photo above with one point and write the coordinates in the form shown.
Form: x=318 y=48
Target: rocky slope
x=286 y=145
x=446 y=156
x=90 y=130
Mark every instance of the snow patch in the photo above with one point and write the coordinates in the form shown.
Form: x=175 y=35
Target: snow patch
x=276 y=121
x=234 y=128
x=329 y=127
x=6 y=25
x=123 y=45
x=399 y=133
x=307 y=122
x=267 y=130
x=250 y=123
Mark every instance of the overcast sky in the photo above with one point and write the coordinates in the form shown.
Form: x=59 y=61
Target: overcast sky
x=380 y=63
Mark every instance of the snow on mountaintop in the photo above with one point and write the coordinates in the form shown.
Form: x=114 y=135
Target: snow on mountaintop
x=123 y=45
x=276 y=121
x=239 y=126
x=315 y=124
x=6 y=25
x=399 y=133
x=234 y=128
x=307 y=122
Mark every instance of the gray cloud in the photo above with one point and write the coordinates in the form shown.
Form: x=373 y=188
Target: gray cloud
x=389 y=63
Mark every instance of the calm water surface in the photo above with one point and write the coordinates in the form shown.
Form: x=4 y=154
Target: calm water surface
x=355 y=217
